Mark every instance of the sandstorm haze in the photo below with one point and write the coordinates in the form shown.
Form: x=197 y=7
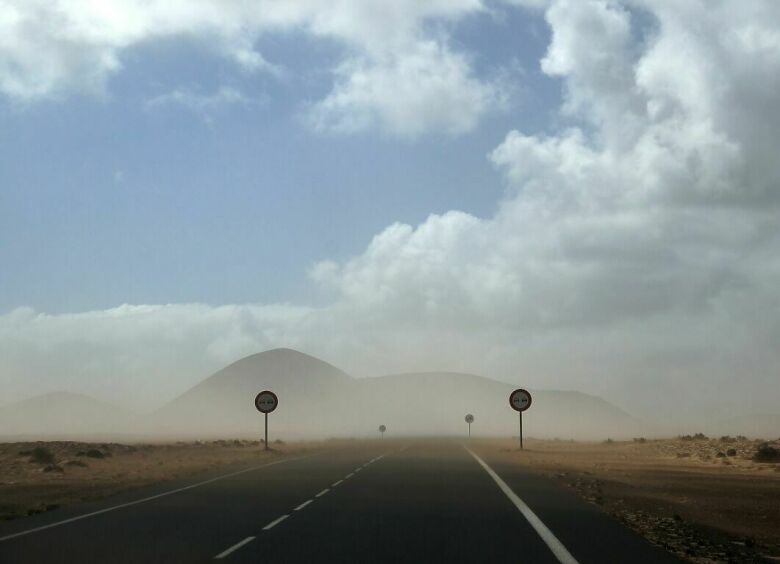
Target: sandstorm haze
x=579 y=197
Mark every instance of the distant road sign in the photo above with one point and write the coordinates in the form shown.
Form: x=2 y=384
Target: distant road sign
x=469 y=418
x=520 y=400
x=266 y=401
x=382 y=428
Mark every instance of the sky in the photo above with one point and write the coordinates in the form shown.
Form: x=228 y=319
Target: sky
x=562 y=194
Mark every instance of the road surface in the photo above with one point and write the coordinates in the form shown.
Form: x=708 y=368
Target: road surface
x=384 y=501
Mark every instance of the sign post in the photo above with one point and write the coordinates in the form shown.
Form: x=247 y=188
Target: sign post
x=382 y=430
x=520 y=400
x=265 y=402
x=469 y=420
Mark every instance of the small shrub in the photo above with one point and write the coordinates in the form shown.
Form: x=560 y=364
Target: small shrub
x=640 y=440
x=25 y=452
x=278 y=442
x=721 y=455
x=608 y=442
x=41 y=455
x=94 y=453
x=726 y=439
x=696 y=437
x=53 y=468
x=766 y=453
x=731 y=452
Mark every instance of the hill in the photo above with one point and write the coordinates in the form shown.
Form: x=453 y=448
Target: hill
x=224 y=402
x=61 y=415
x=437 y=402
x=317 y=399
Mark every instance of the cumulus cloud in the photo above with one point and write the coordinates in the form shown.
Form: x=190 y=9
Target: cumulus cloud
x=635 y=251
x=425 y=88
x=398 y=74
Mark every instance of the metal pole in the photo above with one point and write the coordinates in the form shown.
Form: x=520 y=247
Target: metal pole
x=266 y=431
x=521 y=430
x=469 y=430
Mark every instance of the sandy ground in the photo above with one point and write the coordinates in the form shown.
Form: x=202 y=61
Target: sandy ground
x=31 y=483
x=688 y=496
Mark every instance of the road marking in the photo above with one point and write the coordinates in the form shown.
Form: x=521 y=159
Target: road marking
x=348 y=476
x=233 y=548
x=149 y=498
x=560 y=552
x=304 y=504
x=358 y=470
x=334 y=484
x=323 y=492
x=275 y=522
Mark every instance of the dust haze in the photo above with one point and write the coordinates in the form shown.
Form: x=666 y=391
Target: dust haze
x=318 y=401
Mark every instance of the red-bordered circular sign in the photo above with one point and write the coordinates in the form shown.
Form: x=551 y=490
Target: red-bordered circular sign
x=469 y=418
x=382 y=428
x=266 y=401
x=520 y=399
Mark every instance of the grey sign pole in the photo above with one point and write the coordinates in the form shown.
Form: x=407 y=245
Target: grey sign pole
x=521 y=429
x=266 y=430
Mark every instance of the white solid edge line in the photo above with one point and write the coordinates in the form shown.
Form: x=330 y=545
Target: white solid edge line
x=233 y=548
x=348 y=476
x=304 y=504
x=334 y=484
x=275 y=522
x=145 y=499
x=557 y=548
x=323 y=492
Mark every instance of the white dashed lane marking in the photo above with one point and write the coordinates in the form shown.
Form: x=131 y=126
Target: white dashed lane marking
x=304 y=504
x=233 y=548
x=275 y=522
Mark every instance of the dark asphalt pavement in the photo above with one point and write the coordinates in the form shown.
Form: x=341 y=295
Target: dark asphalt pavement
x=420 y=501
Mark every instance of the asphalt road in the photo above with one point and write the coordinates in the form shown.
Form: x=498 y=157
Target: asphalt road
x=421 y=501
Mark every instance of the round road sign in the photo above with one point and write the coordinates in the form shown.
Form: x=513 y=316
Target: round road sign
x=266 y=401
x=469 y=418
x=382 y=428
x=520 y=400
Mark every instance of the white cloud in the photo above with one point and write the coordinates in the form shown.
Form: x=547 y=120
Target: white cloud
x=398 y=74
x=204 y=104
x=424 y=88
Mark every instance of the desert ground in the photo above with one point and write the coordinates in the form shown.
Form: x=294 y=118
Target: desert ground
x=706 y=500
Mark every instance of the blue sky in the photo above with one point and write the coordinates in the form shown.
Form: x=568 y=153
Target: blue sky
x=107 y=199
